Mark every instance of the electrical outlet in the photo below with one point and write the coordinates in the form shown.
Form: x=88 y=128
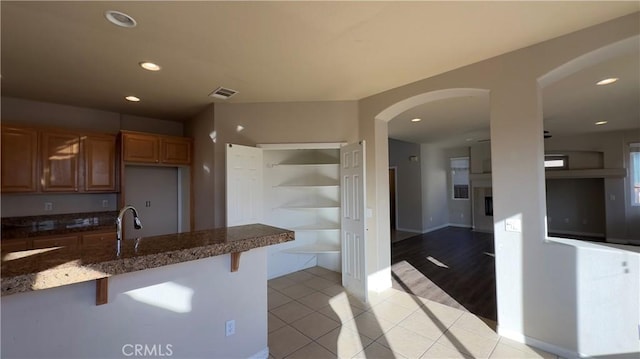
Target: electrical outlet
x=230 y=327
x=105 y=203
x=48 y=206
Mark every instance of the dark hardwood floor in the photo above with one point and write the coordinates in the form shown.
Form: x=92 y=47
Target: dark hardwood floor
x=453 y=266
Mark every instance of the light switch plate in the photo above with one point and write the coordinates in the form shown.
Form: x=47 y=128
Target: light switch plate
x=513 y=225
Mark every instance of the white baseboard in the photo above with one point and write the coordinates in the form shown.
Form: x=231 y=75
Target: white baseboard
x=379 y=281
x=459 y=225
x=482 y=230
x=263 y=354
x=435 y=228
x=623 y=241
x=551 y=348
x=574 y=233
x=409 y=230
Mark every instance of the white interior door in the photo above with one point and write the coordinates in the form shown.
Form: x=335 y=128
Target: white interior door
x=352 y=184
x=244 y=185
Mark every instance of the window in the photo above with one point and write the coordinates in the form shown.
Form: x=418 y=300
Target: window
x=460 y=177
x=556 y=162
x=634 y=173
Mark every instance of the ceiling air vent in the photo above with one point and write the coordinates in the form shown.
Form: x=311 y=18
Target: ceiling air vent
x=223 y=93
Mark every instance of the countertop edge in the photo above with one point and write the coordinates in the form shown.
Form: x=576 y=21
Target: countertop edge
x=57 y=277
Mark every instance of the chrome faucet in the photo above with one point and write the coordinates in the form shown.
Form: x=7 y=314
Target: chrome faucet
x=136 y=222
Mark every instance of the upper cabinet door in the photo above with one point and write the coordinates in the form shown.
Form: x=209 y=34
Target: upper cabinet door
x=99 y=163
x=19 y=160
x=59 y=154
x=176 y=150
x=141 y=148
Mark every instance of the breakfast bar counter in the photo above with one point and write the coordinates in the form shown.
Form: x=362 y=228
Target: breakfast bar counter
x=38 y=269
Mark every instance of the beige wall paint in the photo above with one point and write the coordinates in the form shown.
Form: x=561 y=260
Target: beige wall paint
x=607 y=150
x=28 y=112
x=408 y=184
x=295 y=122
x=201 y=128
x=185 y=305
x=537 y=280
x=435 y=203
x=576 y=206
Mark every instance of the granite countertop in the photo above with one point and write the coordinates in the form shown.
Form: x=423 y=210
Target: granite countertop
x=34 y=226
x=53 y=267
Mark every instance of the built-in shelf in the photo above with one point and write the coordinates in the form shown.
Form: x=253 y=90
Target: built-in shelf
x=308 y=186
x=309 y=207
x=302 y=193
x=318 y=227
x=313 y=249
x=332 y=164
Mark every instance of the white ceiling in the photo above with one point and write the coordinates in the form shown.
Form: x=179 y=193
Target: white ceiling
x=66 y=52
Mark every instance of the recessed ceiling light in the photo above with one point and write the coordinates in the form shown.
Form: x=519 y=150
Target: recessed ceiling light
x=599 y=123
x=416 y=120
x=150 y=66
x=607 y=81
x=132 y=99
x=469 y=139
x=120 y=19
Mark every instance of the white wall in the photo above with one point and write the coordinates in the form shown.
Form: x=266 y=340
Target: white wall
x=537 y=282
x=408 y=185
x=185 y=305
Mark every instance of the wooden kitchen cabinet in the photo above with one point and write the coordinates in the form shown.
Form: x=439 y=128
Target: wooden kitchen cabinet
x=99 y=163
x=19 y=160
x=98 y=238
x=59 y=156
x=14 y=245
x=50 y=160
x=70 y=241
x=176 y=150
x=148 y=148
x=141 y=148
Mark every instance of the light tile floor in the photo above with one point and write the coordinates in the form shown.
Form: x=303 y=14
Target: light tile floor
x=311 y=316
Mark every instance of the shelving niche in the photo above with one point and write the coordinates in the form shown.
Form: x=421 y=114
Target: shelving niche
x=302 y=193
